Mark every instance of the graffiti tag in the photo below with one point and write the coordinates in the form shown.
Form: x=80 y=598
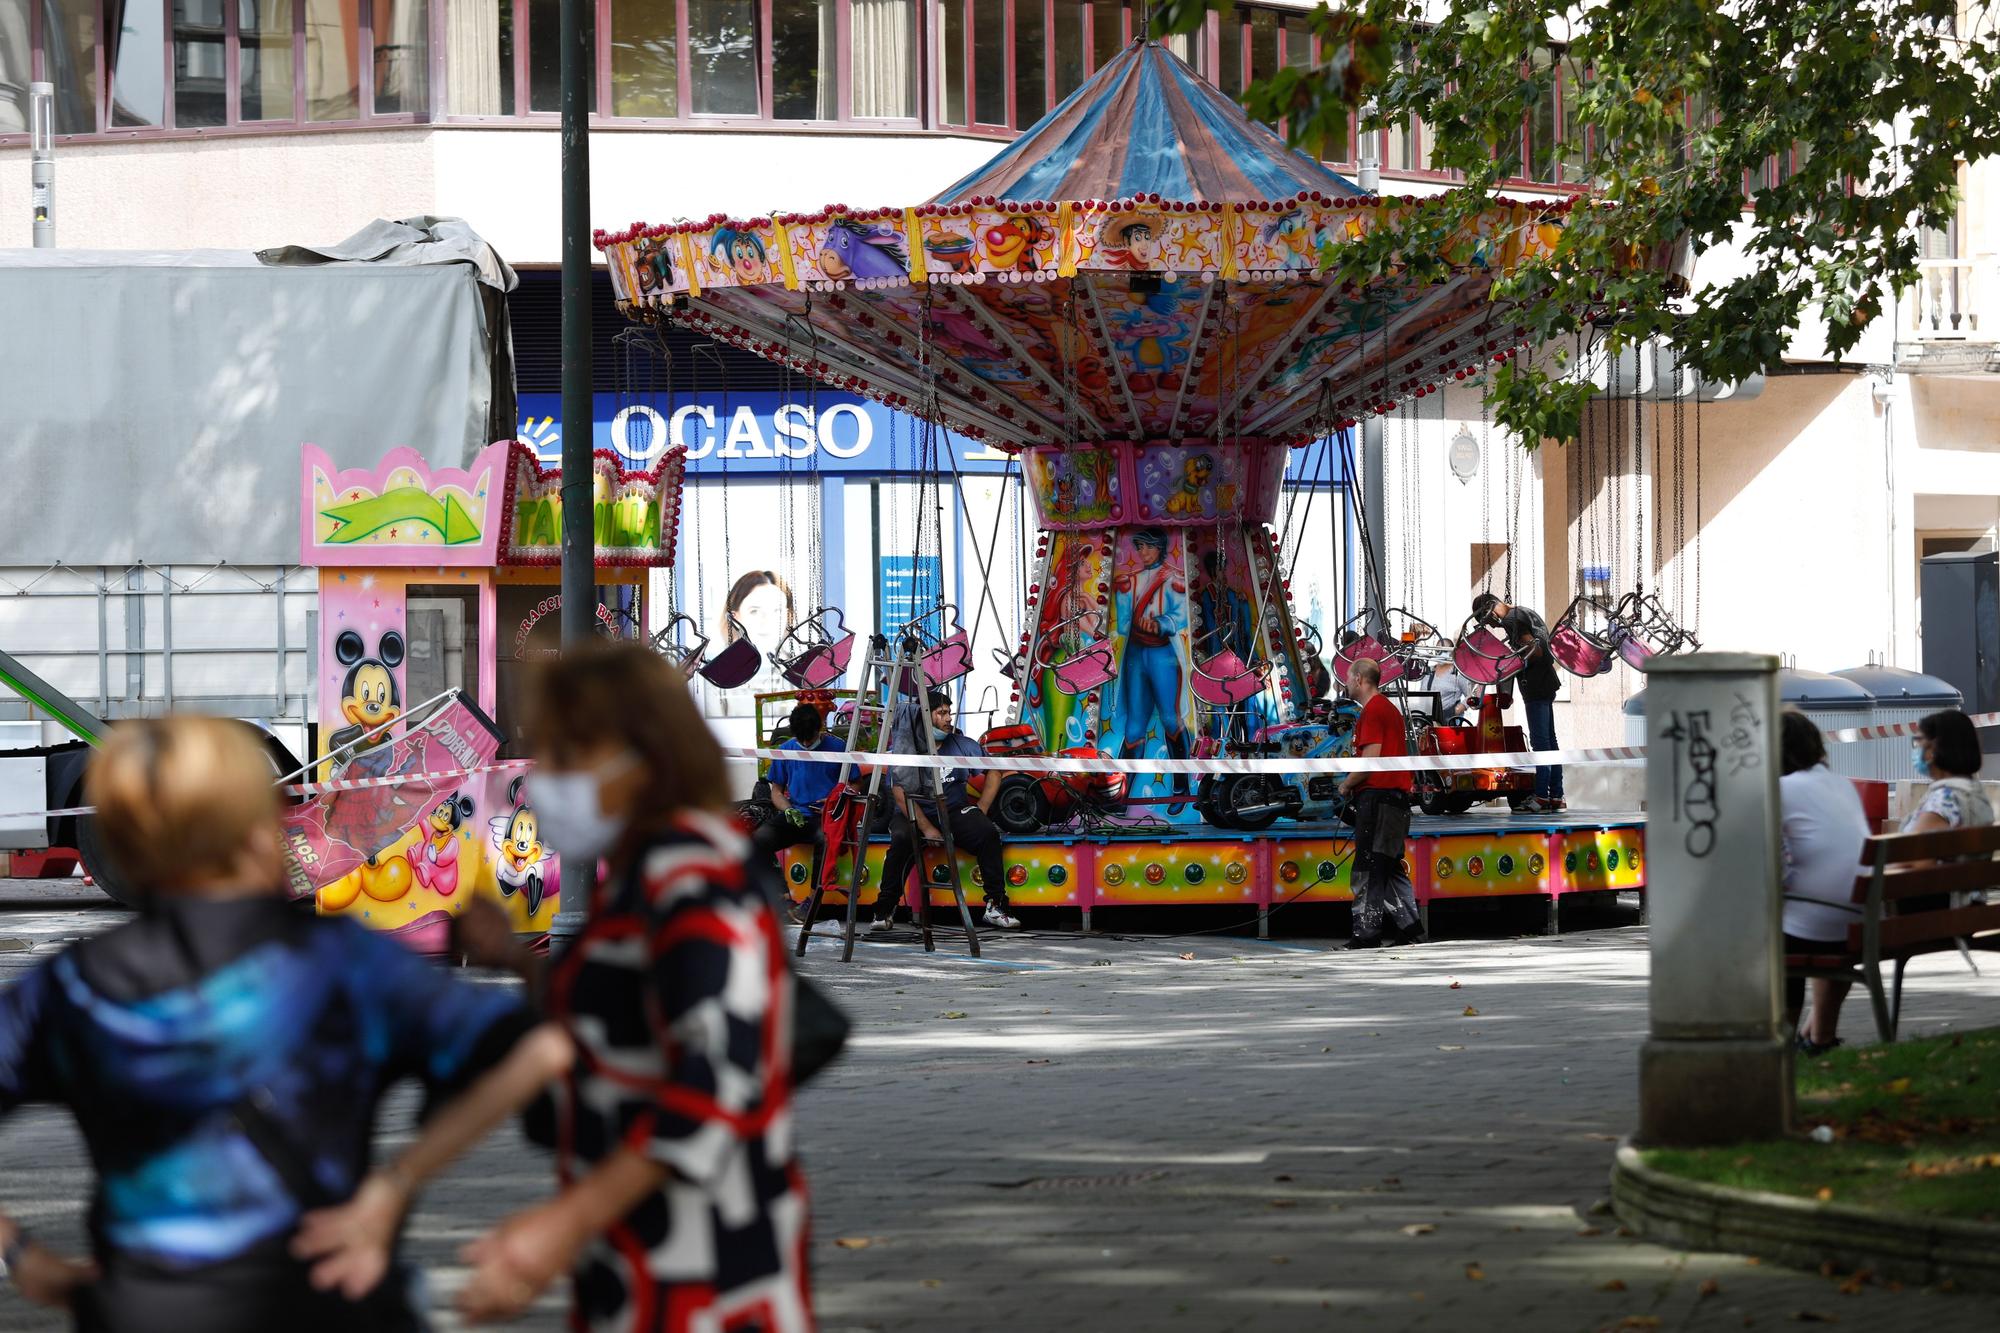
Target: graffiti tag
x=1694 y=799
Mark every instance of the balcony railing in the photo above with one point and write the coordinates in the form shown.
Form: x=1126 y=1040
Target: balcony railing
x=1948 y=299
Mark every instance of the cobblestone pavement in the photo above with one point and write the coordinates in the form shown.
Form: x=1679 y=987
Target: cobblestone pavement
x=1108 y=1134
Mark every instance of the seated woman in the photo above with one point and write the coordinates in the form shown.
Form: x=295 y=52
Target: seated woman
x=1823 y=829
x=1947 y=752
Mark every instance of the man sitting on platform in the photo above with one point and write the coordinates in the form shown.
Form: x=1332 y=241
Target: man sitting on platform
x=918 y=816
x=799 y=787
x=1381 y=806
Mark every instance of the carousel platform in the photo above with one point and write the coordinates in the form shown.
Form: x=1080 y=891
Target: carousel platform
x=1476 y=855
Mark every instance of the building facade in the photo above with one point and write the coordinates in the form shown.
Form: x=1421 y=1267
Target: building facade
x=1791 y=520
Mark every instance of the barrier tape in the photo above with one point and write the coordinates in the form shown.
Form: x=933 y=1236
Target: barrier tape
x=1416 y=763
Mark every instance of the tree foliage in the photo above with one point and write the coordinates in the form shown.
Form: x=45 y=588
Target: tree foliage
x=1683 y=101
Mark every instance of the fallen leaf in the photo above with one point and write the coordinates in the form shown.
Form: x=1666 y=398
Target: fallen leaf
x=1451 y=1048
x=1615 y=1284
x=1752 y=1260
x=1709 y=1287
x=1896 y=1087
x=1475 y=1273
x=1419 y=1229
x=952 y=1013
x=1590 y=1231
x=1326 y=1050
x=1454 y=985
x=853 y=1242
x=1187 y=958
x=1744 y=1161
x=1853 y=1286
x=933 y=1282
x=1470 y=1012
x=1392 y=1180
x=1825 y=1193
x=1602 y=1138
x=1284 y=1203
x=1281 y=1258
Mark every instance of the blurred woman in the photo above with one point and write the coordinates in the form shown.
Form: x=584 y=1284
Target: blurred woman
x=224 y=1055
x=681 y=1203
x=1823 y=828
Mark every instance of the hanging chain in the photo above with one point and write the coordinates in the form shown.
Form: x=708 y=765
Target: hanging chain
x=1695 y=610
x=1638 y=490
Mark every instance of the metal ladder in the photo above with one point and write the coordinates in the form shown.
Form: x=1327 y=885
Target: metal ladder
x=880 y=678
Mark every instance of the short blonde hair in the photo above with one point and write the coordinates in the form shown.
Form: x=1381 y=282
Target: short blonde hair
x=178 y=797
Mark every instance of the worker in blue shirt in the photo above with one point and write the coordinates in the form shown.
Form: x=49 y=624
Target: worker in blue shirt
x=799 y=787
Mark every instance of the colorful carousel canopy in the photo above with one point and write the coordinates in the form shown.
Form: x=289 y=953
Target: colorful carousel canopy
x=1140 y=265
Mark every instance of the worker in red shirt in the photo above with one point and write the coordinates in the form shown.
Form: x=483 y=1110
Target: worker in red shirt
x=1380 y=803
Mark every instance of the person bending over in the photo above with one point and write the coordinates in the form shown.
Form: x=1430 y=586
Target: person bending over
x=1528 y=634
x=919 y=814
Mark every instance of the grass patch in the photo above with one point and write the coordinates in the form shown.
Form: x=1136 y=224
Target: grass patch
x=1916 y=1129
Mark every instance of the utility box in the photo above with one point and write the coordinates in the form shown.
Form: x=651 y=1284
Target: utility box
x=1961 y=627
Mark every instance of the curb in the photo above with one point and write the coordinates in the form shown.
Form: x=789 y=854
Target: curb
x=1803 y=1233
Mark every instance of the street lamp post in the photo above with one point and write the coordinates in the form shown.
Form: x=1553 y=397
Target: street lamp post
x=1369 y=177
x=579 y=552
x=42 y=162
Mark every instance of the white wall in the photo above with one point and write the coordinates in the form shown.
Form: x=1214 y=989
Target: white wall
x=249 y=192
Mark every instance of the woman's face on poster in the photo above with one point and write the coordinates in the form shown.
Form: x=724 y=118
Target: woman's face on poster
x=763 y=615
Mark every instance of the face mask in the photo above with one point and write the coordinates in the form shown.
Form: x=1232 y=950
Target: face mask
x=941 y=733
x=1918 y=761
x=573 y=821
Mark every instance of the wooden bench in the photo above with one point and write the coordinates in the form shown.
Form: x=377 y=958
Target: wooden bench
x=1898 y=870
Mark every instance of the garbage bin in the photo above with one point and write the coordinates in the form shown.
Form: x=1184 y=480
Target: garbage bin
x=1900 y=696
x=1831 y=702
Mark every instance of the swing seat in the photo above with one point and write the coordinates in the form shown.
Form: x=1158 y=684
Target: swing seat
x=823 y=653
x=1391 y=664
x=734 y=666
x=1224 y=680
x=1575 y=652
x=1012 y=665
x=1635 y=650
x=1088 y=668
x=1483 y=657
x=688 y=657
x=949 y=660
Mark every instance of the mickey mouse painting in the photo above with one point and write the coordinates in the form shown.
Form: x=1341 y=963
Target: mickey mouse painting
x=369 y=696
x=517 y=838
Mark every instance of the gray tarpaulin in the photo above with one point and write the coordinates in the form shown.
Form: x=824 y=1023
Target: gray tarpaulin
x=155 y=402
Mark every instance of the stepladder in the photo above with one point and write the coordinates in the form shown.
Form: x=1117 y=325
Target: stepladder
x=893 y=679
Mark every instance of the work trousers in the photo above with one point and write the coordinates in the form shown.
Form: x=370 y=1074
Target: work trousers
x=971 y=832
x=1542 y=736
x=1382 y=888
x=776 y=834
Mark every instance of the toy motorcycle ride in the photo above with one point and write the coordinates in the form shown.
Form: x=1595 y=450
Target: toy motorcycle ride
x=1030 y=803
x=1254 y=801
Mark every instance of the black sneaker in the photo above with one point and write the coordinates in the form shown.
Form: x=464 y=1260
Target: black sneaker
x=1358 y=943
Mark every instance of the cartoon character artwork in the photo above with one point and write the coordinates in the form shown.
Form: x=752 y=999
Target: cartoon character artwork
x=850 y=250
x=522 y=865
x=434 y=858
x=1189 y=498
x=1076 y=486
x=1153 y=339
x=370 y=698
x=1293 y=241
x=1131 y=241
x=1014 y=244
x=743 y=252
x=1150 y=600
x=652 y=264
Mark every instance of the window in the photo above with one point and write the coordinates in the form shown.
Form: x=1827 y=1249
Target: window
x=722 y=57
x=264 y=60
x=138 y=74
x=1229 y=54
x=1264 y=55
x=645 y=61
x=1539 y=164
x=402 y=57
x=951 y=60
x=545 y=55
x=989 y=61
x=882 y=58
x=201 y=48
x=1030 y=75
x=1107 y=32
x=804 y=39
x=1067 y=45
x=15 y=74
x=333 y=59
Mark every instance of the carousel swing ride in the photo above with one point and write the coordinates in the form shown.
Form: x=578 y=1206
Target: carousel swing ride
x=1128 y=301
